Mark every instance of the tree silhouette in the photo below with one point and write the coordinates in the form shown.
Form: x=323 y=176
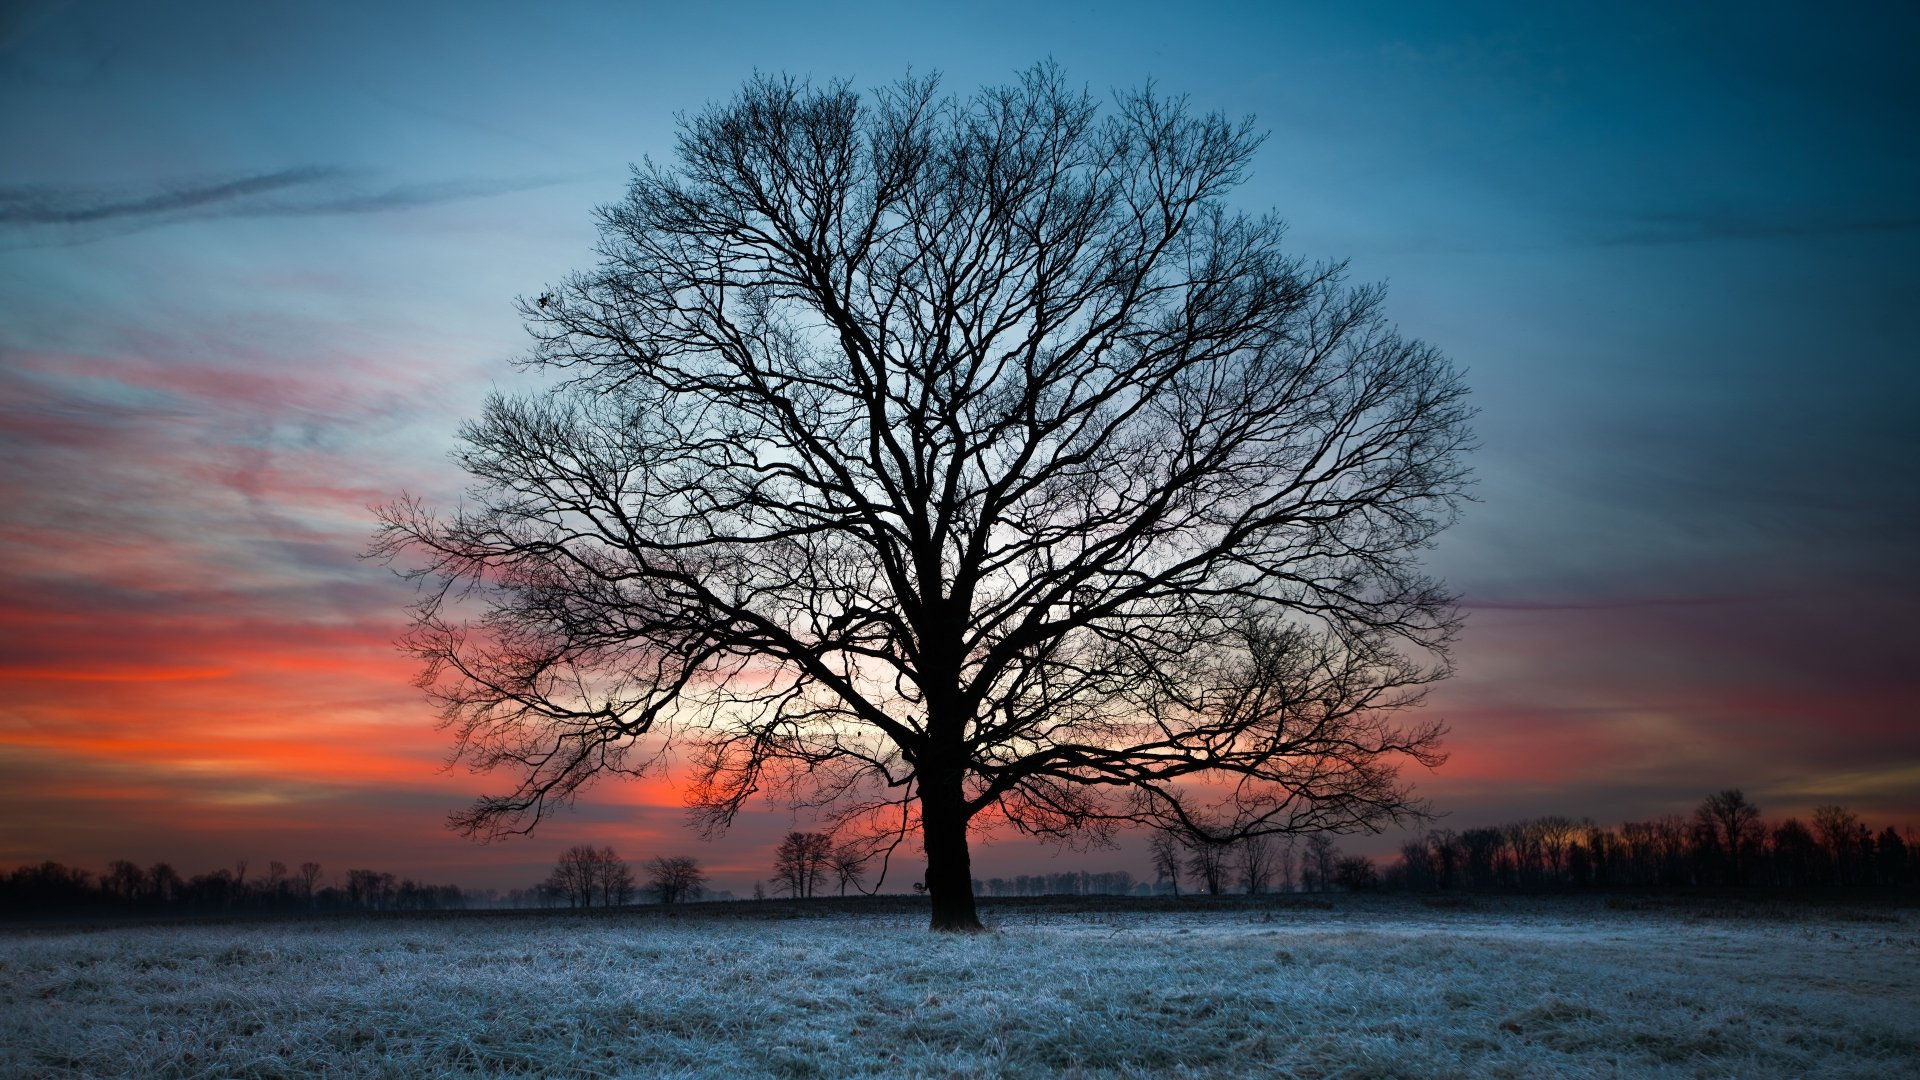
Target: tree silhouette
x=801 y=862
x=930 y=458
x=673 y=878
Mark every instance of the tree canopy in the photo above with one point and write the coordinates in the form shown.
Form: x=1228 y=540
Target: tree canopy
x=947 y=460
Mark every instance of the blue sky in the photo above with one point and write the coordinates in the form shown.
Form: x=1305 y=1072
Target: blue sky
x=257 y=261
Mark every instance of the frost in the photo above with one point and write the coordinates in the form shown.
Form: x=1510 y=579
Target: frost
x=1521 y=989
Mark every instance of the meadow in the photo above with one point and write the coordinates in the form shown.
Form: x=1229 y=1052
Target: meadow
x=1361 y=987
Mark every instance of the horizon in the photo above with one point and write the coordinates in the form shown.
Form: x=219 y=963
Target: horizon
x=261 y=265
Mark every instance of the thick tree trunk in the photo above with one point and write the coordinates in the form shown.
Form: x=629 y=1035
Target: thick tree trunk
x=943 y=823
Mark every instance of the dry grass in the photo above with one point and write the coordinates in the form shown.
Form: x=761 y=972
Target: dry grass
x=1358 y=991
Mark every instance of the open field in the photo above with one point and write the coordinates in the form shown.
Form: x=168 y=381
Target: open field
x=1367 y=987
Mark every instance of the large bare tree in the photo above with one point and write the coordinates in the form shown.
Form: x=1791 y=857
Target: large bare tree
x=952 y=462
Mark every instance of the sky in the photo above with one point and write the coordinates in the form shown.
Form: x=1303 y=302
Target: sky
x=258 y=261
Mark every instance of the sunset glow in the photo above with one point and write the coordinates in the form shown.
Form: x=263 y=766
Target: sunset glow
x=257 y=265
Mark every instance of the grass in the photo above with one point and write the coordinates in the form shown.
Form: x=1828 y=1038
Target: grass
x=1519 y=988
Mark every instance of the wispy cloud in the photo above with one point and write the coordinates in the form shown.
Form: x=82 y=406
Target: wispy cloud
x=84 y=213
x=52 y=205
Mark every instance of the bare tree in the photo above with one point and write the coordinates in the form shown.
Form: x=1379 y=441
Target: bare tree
x=309 y=878
x=919 y=456
x=1207 y=862
x=1731 y=826
x=584 y=871
x=800 y=862
x=1256 y=856
x=849 y=865
x=614 y=879
x=1319 y=863
x=674 y=878
x=1167 y=863
x=1841 y=833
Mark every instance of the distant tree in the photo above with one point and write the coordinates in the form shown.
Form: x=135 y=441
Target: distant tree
x=675 y=878
x=584 y=872
x=1356 y=873
x=848 y=862
x=1890 y=858
x=164 y=885
x=941 y=458
x=309 y=880
x=124 y=881
x=1840 y=832
x=1167 y=859
x=1797 y=858
x=1319 y=863
x=1285 y=862
x=1556 y=835
x=1207 y=861
x=1482 y=848
x=1254 y=857
x=801 y=862
x=1730 y=828
x=614 y=879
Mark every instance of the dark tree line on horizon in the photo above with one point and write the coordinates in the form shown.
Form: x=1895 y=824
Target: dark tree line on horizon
x=245 y=889
x=1724 y=842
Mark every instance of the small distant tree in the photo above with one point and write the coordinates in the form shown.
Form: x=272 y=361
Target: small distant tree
x=309 y=880
x=1318 y=865
x=1797 y=858
x=576 y=875
x=1730 y=826
x=1841 y=832
x=675 y=878
x=801 y=861
x=164 y=884
x=615 y=879
x=1355 y=873
x=849 y=865
x=1254 y=856
x=1167 y=862
x=1207 y=861
x=1890 y=858
x=124 y=881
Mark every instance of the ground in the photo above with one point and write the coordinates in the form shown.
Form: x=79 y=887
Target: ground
x=1363 y=987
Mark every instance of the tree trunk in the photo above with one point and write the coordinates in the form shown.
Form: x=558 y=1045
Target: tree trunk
x=943 y=823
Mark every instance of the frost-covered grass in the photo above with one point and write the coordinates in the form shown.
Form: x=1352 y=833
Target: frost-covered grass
x=1365 y=989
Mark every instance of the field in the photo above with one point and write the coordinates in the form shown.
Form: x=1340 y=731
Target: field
x=1365 y=987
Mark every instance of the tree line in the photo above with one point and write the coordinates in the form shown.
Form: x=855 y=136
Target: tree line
x=127 y=887
x=1725 y=841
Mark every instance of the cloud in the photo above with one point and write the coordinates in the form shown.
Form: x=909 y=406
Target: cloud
x=91 y=213
x=47 y=205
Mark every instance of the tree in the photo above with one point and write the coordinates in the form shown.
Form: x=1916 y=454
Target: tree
x=800 y=862
x=1255 y=857
x=574 y=875
x=1320 y=863
x=616 y=880
x=309 y=877
x=1843 y=834
x=926 y=457
x=1356 y=873
x=1730 y=826
x=1167 y=863
x=673 y=878
x=848 y=862
x=1207 y=862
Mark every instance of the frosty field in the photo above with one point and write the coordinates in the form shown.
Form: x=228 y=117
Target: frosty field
x=1383 y=987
